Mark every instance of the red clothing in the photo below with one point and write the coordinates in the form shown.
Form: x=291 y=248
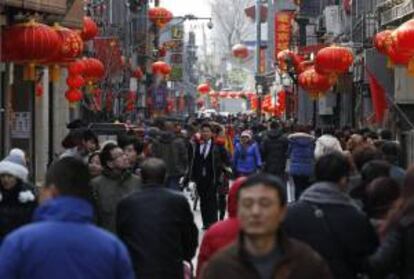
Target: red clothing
x=222 y=233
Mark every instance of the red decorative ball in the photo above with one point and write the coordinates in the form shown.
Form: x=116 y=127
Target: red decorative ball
x=73 y=95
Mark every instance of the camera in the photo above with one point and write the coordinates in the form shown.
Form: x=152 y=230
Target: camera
x=210 y=24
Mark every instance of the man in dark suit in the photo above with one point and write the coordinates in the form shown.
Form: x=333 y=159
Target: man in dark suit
x=207 y=166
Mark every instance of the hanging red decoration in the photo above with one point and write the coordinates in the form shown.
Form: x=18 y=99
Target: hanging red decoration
x=90 y=29
x=73 y=95
x=382 y=41
x=39 y=89
x=159 y=68
x=334 y=59
x=213 y=94
x=71 y=46
x=159 y=16
x=403 y=37
x=166 y=69
x=75 y=81
x=137 y=73
x=30 y=42
x=203 y=88
x=223 y=94
x=76 y=68
x=240 y=51
x=94 y=69
x=303 y=66
x=233 y=95
x=313 y=82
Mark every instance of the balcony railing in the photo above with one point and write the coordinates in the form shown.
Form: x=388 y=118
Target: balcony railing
x=404 y=9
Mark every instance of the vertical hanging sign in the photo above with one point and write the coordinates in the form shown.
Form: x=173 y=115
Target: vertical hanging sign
x=283 y=30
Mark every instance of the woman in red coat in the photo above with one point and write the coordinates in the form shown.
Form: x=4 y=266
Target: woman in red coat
x=222 y=233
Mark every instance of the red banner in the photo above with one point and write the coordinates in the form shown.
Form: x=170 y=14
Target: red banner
x=283 y=30
x=379 y=100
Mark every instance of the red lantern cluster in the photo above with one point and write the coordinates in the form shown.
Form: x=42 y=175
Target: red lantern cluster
x=73 y=95
x=90 y=29
x=314 y=83
x=159 y=16
x=398 y=45
x=333 y=60
x=240 y=51
x=29 y=42
x=94 y=69
x=203 y=89
x=71 y=45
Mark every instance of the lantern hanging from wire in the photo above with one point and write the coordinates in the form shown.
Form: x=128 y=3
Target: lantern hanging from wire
x=333 y=60
x=90 y=29
x=240 y=51
x=29 y=43
x=203 y=88
x=159 y=16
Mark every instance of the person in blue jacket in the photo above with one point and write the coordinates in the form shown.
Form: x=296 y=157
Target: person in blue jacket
x=62 y=242
x=246 y=159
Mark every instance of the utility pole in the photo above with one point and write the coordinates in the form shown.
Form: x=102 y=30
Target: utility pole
x=257 y=68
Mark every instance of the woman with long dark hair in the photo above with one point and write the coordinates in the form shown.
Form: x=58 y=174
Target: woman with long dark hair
x=396 y=253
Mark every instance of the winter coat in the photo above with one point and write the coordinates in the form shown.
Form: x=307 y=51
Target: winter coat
x=109 y=189
x=247 y=160
x=63 y=243
x=173 y=151
x=326 y=144
x=16 y=207
x=274 y=150
x=222 y=233
x=396 y=253
x=326 y=219
x=158 y=228
x=298 y=261
x=300 y=153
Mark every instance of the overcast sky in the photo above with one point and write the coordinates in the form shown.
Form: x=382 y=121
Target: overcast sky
x=199 y=8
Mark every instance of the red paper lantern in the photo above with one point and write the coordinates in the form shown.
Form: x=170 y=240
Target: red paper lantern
x=166 y=69
x=76 y=68
x=90 y=29
x=159 y=16
x=313 y=82
x=73 y=95
x=75 y=81
x=203 y=88
x=71 y=47
x=94 y=69
x=403 y=37
x=398 y=57
x=137 y=73
x=334 y=59
x=159 y=67
x=382 y=41
x=30 y=42
x=303 y=66
x=240 y=51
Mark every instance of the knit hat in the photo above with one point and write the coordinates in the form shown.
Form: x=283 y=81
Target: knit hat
x=15 y=164
x=247 y=133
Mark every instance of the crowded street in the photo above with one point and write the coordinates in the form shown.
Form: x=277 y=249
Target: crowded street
x=206 y=139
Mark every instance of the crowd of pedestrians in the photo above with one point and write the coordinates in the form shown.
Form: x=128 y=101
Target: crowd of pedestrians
x=277 y=200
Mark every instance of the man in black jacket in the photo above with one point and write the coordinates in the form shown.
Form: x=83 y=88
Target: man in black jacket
x=274 y=150
x=326 y=218
x=157 y=226
x=207 y=166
